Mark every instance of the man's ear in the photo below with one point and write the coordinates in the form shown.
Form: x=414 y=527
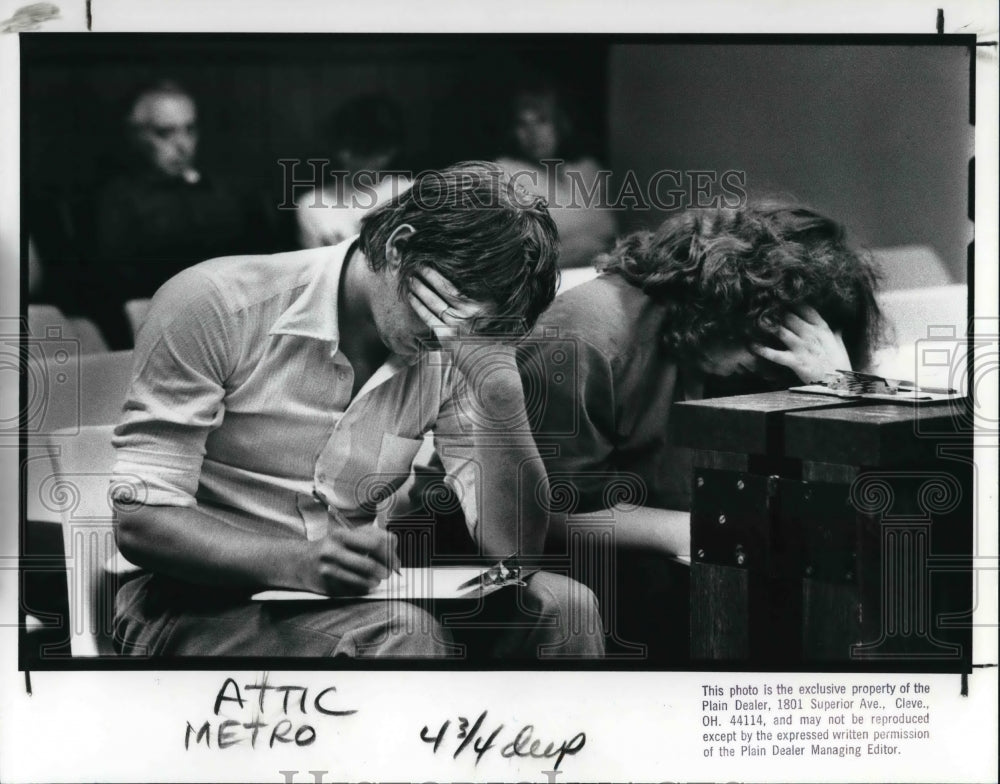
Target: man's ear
x=394 y=245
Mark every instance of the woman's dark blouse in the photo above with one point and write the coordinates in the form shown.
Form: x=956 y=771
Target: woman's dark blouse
x=599 y=389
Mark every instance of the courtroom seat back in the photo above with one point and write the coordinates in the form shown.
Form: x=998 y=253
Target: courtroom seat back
x=47 y=322
x=80 y=488
x=136 y=311
x=80 y=392
x=910 y=267
x=928 y=327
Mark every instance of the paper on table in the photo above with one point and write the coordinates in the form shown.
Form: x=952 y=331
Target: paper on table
x=903 y=396
x=443 y=582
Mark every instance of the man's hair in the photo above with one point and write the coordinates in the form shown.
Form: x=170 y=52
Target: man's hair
x=147 y=89
x=728 y=274
x=493 y=240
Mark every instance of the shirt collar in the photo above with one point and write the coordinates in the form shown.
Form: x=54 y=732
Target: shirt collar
x=314 y=312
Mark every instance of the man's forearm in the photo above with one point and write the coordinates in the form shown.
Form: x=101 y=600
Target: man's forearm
x=513 y=512
x=512 y=518
x=189 y=545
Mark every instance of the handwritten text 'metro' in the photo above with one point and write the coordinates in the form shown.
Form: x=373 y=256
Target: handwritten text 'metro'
x=280 y=711
x=480 y=740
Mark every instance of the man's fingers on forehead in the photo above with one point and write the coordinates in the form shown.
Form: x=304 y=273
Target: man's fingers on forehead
x=440 y=284
x=422 y=311
x=438 y=281
x=426 y=293
x=436 y=302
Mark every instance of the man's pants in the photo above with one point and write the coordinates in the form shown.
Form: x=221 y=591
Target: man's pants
x=553 y=617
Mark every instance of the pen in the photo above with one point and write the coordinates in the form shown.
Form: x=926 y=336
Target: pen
x=907 y=386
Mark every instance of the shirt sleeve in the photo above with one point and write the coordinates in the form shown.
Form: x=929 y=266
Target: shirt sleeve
x=570 y=399
x=180 y=364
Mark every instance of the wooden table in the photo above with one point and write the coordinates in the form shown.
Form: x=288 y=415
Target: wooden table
x=828 y=531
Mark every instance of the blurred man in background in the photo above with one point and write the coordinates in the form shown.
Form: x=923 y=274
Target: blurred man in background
x=164 y=122
x=365 y=136
x=163 y=214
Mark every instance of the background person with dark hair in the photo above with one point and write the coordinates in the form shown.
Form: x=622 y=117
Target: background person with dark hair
x=163 y=213
x=365 y=136
x=738 y=300
x=269 y=390
x=543 y=160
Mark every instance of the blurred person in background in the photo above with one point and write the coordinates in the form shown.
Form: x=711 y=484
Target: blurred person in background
x=163 y=213
x=543 y=160
x=365 y=135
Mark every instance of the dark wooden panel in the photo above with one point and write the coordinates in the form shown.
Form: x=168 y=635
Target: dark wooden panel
x=915 y=575
x=831 y=620
x=724 y=461
x=818 y=537
x=751 y=424
x=730 y=519
x=884 y=576
x=815 y=471
x=878 y=435
x=720 y=612
x=734 y=526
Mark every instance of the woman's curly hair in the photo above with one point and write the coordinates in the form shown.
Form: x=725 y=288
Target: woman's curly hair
x=727 y=275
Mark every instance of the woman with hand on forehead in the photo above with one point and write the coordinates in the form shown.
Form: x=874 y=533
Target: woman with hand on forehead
x=720 y=301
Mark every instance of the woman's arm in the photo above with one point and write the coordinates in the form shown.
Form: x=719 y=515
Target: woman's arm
x=665 y=531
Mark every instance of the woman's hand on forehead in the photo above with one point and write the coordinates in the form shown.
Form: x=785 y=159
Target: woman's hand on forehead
x=811 y=349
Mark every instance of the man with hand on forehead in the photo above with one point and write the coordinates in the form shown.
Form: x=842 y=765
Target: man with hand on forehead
x=277 y=400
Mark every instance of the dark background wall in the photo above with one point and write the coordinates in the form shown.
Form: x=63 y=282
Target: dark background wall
x=878 y=137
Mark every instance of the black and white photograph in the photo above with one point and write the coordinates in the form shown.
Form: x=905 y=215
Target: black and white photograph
x=486 y=405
